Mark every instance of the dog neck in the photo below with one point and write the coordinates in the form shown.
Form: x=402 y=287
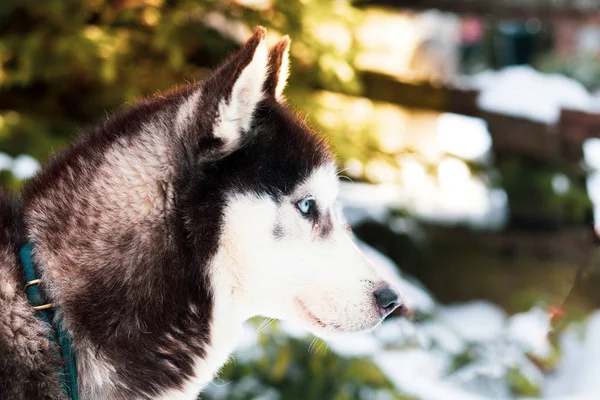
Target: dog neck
x=115 y=254
x=230 y=311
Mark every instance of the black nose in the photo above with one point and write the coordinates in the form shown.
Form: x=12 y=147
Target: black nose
x=387 y=299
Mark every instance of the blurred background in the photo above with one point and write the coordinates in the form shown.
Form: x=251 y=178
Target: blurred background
x=468 y=135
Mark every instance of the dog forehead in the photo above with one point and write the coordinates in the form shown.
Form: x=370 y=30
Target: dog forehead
x=322 y=184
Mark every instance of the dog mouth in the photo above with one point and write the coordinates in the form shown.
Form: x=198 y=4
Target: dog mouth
x=307 y=314
x=334 y=327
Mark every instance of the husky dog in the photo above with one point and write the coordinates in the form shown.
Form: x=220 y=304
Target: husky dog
x=159 y=232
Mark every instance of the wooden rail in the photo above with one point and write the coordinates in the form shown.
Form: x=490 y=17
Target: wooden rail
x=540 y=9
x=511 y=135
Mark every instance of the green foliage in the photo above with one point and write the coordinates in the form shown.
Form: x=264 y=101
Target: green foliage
x=292 y=368
x=531 y=193
x=66 y=64
x=520 y=385
x=581 y=67
x=462 y=359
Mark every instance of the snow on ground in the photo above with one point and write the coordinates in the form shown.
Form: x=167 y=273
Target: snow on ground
x=475 y=321
x=5 y=162
x=22 y=166
x=522 y=91
x=418 y=372
x=356 y=345
x=578 y=372
x=591 y=153
x=530 y=329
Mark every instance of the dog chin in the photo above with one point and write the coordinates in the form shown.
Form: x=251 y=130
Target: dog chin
x=335 y=331
x=332 y=329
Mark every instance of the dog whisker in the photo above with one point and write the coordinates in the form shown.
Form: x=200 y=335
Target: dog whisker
x=215 y=384
x=265 y=324
x=346 y=177
x=312 y=344
x=318 y=348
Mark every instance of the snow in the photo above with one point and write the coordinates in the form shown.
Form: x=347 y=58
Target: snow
x=25 y=166
x=356 y=345
x=593 y=189
x=5 y=161
x=578 y=373
x=293 y=329
x=521 y=91
x=531 y=329
x=475 y=321
x=465 y=137
x=591 y=152
x=438 y=334
x=22 y=166
x=419 y=373
x=248 y=346
x=395 y=332
x=561 y=184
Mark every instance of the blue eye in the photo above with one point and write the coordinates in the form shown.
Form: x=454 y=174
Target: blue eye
x=306 y=206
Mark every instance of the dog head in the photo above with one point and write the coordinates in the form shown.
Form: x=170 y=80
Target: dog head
x=284 y=249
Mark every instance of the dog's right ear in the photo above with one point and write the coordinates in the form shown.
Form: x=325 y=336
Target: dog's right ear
x=222 y=111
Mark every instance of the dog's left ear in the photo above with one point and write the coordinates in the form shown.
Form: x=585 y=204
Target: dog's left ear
x=220 y=112
x=279 y=68
x=239 y=85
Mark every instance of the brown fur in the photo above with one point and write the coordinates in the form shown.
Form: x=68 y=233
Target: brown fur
x=123 y=225
x=27 y=359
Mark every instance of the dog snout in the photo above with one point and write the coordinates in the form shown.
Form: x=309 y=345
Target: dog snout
x=387 y=300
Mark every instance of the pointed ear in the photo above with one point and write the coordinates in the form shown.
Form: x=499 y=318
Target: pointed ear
x=233 y=91
x=279 y=68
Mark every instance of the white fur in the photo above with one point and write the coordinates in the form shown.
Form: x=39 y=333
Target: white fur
x=296 y=277
x=226 y=326
x=328 y=276
x=187 y=113
x=7 y=290
x=235 y=116
x=284 y=72
x=96 y=374
x=142 y=166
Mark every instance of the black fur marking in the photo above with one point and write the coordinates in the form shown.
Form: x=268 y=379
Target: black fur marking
x=278 y=232
x=141 y=296
x=276 y=55
x=325 y=225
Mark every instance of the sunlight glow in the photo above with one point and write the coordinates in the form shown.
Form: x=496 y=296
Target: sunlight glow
x=453 y=174
x=381 y=172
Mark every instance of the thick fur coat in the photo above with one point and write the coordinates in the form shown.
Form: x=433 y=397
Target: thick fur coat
x=161 y=230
